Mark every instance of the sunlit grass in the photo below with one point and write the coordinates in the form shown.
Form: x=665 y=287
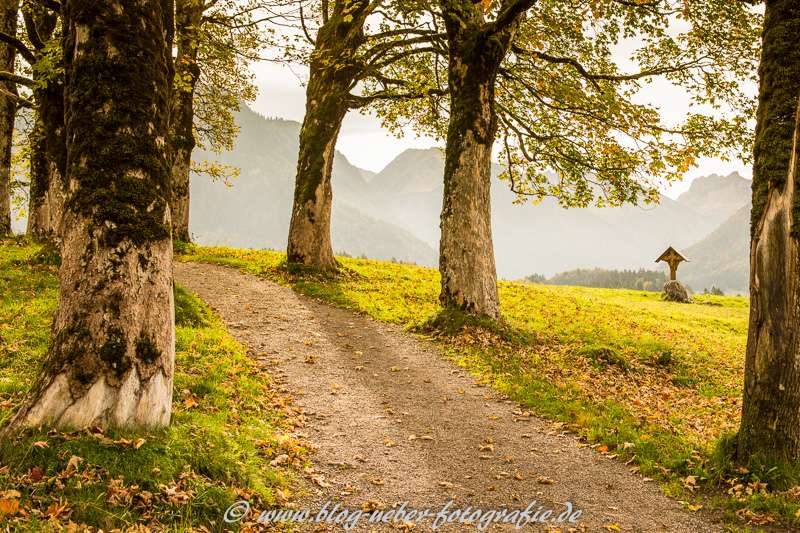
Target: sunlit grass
x=227 y=424
x=658 y=383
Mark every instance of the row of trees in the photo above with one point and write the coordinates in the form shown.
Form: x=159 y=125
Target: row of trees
x=540 y=77
x=637 y=280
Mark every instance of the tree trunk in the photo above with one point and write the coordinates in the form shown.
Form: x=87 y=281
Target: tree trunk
x=48 y=150
x=770 y=426
x=8 y=111
x=188 y=18
x=326 y=106
x=466 y=254
x=111 y=358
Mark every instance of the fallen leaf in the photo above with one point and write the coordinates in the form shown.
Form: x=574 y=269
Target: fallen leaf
x=612 y=527
x=372 y=505
x=9 y=507
x=545 y=480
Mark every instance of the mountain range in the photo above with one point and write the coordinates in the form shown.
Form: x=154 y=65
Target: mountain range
x=394 y=214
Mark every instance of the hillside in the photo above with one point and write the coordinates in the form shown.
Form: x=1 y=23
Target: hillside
x=543 y=238
x=722 y=258
x=395 y=213
x=255 y=211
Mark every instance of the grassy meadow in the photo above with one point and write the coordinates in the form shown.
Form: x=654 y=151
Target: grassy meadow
x=227 y=424
x=656 y=384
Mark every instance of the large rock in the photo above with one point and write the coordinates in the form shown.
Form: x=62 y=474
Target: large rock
x=675 y=291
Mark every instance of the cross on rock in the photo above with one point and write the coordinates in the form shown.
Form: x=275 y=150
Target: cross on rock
x=672 y=258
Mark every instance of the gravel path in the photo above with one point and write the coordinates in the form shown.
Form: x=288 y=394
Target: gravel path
x=395 y=423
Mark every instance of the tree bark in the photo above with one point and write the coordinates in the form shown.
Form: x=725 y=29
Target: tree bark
x=466 y=253
x=188 y=18
x=326 y=106
x=48 y=146
x=8 y=111
x=770 y=426
x=111 y=358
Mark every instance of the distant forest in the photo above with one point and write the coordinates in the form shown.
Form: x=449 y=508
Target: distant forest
x=639 y=280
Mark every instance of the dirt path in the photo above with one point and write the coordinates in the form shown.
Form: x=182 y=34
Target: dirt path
x=369 y=388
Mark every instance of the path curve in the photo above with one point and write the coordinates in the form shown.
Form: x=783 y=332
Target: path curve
x=370 y=387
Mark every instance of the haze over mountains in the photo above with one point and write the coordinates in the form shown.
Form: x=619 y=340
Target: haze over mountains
x=395 y=214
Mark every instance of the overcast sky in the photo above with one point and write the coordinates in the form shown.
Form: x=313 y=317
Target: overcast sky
x=368 y=146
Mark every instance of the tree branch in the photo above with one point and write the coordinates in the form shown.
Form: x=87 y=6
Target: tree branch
x=356 y=102
x=30 y=29
x=52 y=5
x=303 y=24
x=19 y=46
x=506 y=17
x=19 y=80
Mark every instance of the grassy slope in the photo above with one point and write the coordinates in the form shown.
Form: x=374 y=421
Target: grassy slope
x=657 y=383
x=227 y=424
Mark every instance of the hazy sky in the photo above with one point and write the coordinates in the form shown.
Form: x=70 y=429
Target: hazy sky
x=368 y=146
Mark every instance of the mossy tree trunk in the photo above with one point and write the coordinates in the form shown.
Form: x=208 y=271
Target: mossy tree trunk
x=188 y=18
x=327 y=97
x=111 y=357
x=8 y=111
x=770 y=426
x=466 y=253
x=48 y=140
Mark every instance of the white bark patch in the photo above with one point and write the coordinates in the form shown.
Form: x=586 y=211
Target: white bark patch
x=125 y=403
x=155 y=401
x=90 y=409
x=81 y=36
x=52 y=403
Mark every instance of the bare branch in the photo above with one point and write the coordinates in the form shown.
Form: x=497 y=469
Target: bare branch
x=19 y=46
x=303 y=24
x=19 y=80
x=356 y=102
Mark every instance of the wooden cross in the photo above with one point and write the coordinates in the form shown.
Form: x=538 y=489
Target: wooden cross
x=672 y=258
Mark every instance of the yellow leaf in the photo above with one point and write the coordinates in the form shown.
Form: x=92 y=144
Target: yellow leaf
x=612 y=527
x=9 y=507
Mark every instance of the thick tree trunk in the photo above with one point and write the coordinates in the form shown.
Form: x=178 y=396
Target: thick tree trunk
x=188 y=18
x=770 y=425
x=326 y=106
x=111 y=357
x=8 y=111
x=48 y=165
x=48 y=150
x=466 y=253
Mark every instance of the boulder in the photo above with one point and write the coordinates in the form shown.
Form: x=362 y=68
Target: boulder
x=675 y=291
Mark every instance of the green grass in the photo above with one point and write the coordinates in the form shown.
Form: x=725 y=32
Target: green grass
x=657 y=383
x=227 y=424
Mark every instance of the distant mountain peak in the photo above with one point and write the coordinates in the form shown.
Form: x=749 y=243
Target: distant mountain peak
x=717 y=196
x=416 y=170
